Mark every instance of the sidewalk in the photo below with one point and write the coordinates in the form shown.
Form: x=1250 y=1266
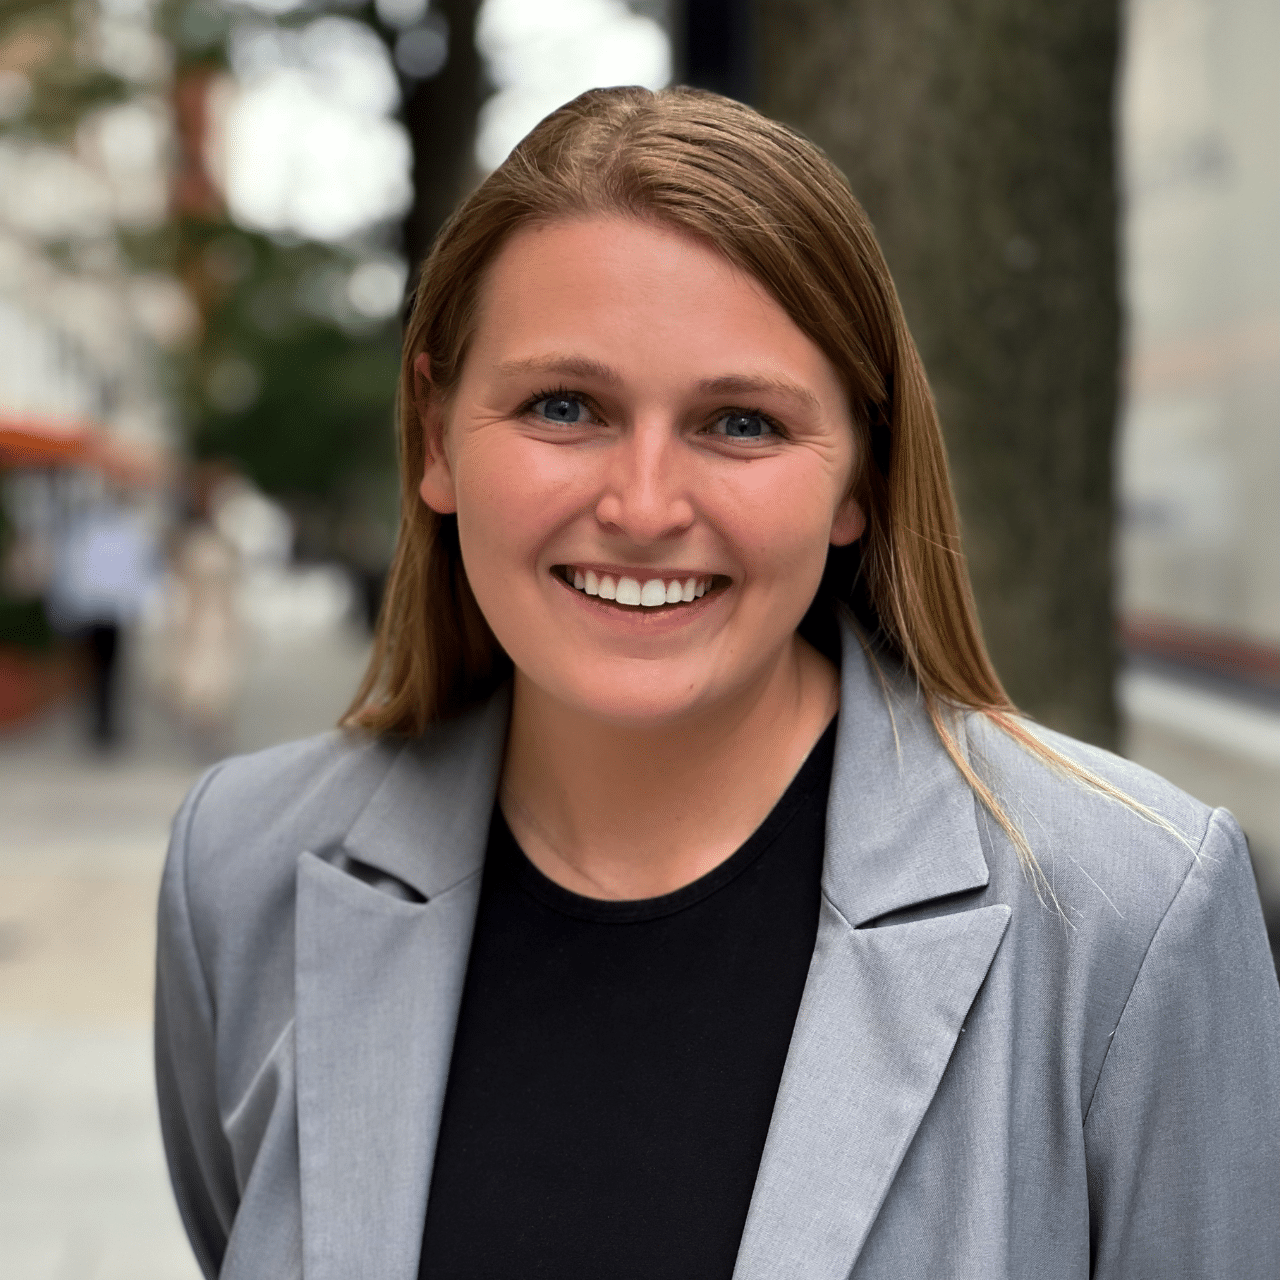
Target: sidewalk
x=83 y=1188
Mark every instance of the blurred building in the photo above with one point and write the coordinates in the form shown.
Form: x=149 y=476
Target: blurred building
x=1199 y=549
x=84 y=136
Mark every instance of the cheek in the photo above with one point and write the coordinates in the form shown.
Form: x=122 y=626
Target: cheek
x=511 y=497
x=781 y=522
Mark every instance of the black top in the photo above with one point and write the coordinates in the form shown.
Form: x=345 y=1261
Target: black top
x=615 y=1063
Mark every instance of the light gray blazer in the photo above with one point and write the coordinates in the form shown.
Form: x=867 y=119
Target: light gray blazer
x=978 y=1085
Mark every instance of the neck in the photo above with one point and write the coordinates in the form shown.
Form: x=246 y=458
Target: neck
x=623 y=812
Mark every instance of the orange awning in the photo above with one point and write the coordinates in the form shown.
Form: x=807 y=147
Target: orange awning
x=29 y=442
x=38 y=442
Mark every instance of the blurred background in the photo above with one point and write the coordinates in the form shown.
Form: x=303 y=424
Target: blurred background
x=209 y=216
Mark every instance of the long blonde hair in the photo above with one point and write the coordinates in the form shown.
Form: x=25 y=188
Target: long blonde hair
x=776 y=207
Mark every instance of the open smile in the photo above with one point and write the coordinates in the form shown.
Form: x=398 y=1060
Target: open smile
x=670 y=591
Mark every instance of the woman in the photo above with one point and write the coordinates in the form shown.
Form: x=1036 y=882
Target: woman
x=684 y=897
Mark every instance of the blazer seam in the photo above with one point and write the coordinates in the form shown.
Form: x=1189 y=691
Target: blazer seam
x=197 y=797
x=264 y=1066
x=830 y=901
x=458 y=884
x=1142 y=964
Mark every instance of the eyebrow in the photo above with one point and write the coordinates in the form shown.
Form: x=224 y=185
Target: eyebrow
x=569 y=366
x=727 y=385
x=747 y=385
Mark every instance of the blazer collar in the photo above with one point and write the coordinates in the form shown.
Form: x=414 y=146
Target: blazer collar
x=428 y=822
x=901 y=823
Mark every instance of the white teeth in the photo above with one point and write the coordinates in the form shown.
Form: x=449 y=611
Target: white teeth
x=654 y=593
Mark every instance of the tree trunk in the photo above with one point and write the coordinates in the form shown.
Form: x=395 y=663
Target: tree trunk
x=440 y=115
x=978 y=134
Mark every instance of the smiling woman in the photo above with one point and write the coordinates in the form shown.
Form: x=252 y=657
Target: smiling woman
x=664 y=907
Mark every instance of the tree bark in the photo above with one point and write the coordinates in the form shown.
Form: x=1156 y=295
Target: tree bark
x=978 y=134
x=440 y=115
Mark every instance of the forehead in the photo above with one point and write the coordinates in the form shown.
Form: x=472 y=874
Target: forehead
x=639 y=296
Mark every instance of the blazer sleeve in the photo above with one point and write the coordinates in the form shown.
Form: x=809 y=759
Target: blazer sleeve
x=199 y=1157
x=1182 y=1133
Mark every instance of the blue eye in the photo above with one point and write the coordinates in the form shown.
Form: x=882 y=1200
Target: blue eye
x=558 y=409
x=744 y=426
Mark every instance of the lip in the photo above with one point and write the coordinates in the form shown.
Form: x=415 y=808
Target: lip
x=641 y=573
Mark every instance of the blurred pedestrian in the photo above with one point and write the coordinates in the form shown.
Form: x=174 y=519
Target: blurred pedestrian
x=202 y=632
x=206 y=633
x=105 y=569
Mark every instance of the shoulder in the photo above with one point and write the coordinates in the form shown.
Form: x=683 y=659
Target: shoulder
x=396 y=803
x=253 y=811
x=230 y=872
x=1013 y=764
x=1114 y=825
x=1117 y=869
x=1143 y=899
x=293 y=785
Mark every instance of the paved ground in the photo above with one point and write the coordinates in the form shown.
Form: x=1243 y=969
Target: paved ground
x=83 y=1189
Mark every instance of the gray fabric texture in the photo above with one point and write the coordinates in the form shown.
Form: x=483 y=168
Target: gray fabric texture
x=981 y=1082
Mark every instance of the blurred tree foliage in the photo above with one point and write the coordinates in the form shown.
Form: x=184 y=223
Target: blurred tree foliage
x=288 y=382
x=42 y=40
x=979 y=136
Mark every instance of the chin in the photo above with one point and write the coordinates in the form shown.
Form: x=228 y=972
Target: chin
x=631 y=699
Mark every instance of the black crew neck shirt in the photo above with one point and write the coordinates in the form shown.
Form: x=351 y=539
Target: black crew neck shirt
x=615 y=1063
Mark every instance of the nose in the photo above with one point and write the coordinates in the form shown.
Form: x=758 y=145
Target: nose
x=644 y=495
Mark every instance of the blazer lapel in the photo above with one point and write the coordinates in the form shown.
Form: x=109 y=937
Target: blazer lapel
x=882 y=1007
x=378 y=983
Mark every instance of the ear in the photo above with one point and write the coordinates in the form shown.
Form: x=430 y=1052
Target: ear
x=849 y=524
x=436 y=487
